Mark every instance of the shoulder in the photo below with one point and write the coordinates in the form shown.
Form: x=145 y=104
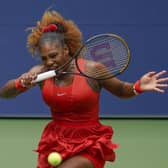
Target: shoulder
x=93 y=67
x=90 y=68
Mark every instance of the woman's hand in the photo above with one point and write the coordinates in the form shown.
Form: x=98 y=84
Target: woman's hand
x=27 y=79
x=153 y=81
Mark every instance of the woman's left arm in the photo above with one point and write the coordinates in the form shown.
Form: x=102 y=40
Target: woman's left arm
x=150 y=81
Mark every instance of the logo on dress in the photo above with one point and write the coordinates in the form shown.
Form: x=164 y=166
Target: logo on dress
x=61 y=94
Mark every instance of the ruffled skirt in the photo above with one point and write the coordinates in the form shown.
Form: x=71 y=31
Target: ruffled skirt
x=70 y=139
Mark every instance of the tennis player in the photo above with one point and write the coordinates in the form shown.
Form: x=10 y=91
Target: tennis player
x=75 y=131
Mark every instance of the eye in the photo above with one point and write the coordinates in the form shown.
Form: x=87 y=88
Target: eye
x=53 y=55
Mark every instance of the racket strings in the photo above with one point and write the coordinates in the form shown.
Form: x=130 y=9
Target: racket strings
x=105 y=72
x=116 y=53
x=108 y=71
x=109 y=53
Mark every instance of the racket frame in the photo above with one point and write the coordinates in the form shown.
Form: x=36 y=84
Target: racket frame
x=97 y=36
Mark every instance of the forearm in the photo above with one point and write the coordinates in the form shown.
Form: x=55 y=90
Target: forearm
x=9 y=90
x=126 y=90
x=119 y=88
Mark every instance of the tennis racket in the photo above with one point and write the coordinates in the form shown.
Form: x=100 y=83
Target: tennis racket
x=106 y=55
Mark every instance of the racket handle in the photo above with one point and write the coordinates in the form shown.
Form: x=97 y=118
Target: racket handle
x=45 y=75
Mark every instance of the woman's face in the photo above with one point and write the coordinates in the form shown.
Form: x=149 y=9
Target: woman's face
x=53 y=55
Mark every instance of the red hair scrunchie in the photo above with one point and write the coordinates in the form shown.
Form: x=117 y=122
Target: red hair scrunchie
x=49 y=28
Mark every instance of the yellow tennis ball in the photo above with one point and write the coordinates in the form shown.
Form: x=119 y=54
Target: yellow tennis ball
x=54 y=159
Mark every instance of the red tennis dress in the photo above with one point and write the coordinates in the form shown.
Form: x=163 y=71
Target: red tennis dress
x=75 y=128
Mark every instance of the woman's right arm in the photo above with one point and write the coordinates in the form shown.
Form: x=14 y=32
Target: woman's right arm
x=14 y=87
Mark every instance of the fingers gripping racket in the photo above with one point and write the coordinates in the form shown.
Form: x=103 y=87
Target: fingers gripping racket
x=106 y=55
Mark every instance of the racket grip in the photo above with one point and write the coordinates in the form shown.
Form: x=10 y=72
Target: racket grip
x=45 y=75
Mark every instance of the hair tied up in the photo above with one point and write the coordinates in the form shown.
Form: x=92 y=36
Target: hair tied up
x=49 y=28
